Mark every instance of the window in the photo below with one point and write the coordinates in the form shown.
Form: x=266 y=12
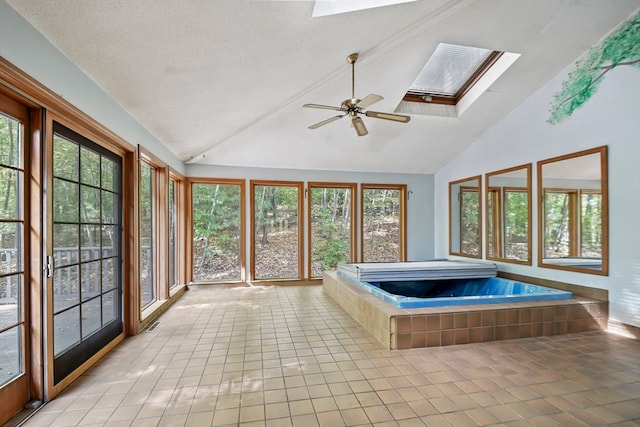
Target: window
x=148 y=226
x=175 y=255
x=449 y=74
x=277 y=231
x=217 y=210
x=383 y=223
x=331 y=226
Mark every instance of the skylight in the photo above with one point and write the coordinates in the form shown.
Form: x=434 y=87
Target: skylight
x=334 y=7
x=450 y=72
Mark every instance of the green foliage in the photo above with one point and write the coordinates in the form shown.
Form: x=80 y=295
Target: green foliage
x=330 y=225
x=469 y=226
x=622 y=47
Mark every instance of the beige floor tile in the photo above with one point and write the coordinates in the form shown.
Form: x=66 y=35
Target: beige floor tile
x=289 y=356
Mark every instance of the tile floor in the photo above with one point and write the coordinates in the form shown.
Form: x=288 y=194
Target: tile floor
x=282 y=356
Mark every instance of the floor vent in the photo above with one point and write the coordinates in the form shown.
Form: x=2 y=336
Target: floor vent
x=153 y=326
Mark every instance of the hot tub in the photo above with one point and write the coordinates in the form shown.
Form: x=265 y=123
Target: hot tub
x=447 y=292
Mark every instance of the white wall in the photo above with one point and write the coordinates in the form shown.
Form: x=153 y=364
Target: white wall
x=32 y=53
x=611 y=117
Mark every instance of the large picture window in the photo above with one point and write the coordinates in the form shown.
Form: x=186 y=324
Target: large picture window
x=331 y=230
x=217 y=230
x=383 y=223
x=277 y=230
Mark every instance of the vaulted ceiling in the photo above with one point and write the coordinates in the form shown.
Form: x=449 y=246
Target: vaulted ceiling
x=223 y=82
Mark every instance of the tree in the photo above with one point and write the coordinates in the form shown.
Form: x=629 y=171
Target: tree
x=622 y=47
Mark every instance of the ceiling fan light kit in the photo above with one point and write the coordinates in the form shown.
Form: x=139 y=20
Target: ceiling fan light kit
x=353 y=107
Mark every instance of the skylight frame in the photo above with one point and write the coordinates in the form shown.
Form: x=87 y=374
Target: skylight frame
x=425 y=97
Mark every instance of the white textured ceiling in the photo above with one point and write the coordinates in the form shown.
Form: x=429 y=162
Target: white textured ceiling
x=223 y=81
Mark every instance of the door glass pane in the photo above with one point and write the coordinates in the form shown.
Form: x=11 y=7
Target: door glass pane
x=109 y=278
x=65 y=201
x=90 y=242
x=381 y=225
x=66 y=287
x=109 y=170
x=66 y=332
x=146 y=234
x=65 y=158
x=10 y=250
x=12 y=200
x=109 y=307
x=109 y=207
x=10 y=287
x=90 y=277
x=91 y=317
x=89 y=204
x=67 y=245
x=216 y=232
x=10 y=349
x=9 y=193
x=90 y=172
x=276 y=232
x=331 y=219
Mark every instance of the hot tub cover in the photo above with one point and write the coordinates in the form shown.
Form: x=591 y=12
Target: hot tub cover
x=417 y=270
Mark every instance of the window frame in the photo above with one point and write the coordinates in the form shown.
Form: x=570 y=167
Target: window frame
x=189 y=226
x=424 y=97
x=352 y=220
x=402 y=216
x=300 y=216
x=179 y=252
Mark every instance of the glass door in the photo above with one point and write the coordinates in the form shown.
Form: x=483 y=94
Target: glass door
x=85 y=280
x=14 y=339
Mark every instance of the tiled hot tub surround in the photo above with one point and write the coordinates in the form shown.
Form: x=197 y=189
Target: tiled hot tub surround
x=439 y=326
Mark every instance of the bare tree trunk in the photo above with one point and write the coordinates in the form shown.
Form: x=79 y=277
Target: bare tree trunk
x=214 y=203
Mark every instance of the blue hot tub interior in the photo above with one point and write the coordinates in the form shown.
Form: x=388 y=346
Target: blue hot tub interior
x=435 y=293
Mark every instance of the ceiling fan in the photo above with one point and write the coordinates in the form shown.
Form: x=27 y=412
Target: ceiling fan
x=353 y=107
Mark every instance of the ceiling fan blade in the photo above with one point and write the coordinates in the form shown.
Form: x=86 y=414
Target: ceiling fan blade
x=388 y=116
x=324 y=107
x=326 y=122
x=358 y=124
x=369 y=100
